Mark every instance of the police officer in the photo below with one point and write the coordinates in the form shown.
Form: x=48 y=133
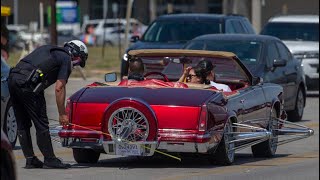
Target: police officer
x=43 y=67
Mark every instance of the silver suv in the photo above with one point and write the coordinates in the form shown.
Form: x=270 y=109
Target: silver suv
x=301 y=35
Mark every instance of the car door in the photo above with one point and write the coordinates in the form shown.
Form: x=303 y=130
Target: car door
x=290 y=72
x=275 y=74
x=254 y=106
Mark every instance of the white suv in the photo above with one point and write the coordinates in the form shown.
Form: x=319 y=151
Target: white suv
x=113 y=28
x=301 y=34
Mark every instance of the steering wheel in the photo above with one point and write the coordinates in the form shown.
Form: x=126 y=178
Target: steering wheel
x=165 y=78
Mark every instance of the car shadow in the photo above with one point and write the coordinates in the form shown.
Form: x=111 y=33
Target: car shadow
x=126 y=163
x=16 y=147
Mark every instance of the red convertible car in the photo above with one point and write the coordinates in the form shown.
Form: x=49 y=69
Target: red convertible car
x=161 y=115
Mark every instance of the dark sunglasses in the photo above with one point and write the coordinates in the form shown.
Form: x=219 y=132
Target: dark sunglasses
x=191 y=75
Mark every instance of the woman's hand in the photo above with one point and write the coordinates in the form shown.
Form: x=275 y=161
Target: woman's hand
x=185 y=74
x=187 y=71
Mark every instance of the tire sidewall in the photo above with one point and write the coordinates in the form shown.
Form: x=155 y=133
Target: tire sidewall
x=5 y=123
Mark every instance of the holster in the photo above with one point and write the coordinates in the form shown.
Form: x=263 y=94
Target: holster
x=34 y=78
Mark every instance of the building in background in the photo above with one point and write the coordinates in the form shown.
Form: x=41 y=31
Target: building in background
x=258 y=11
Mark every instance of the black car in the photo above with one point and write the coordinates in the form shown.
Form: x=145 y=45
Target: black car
x=173 y=31
x=15 y=41
x=266 y=57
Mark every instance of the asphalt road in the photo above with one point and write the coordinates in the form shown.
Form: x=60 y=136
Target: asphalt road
x=295 y=161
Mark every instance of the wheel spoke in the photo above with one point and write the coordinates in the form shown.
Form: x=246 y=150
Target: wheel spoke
x=130 y=125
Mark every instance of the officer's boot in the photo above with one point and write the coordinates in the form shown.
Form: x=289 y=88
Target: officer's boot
x=45 y=146
x=26 y=145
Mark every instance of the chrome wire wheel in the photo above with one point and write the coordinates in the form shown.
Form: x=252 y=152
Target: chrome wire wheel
x=128 y=124
x=11 y=125
x=273 y=125
x=225 y=152
x=300 y=103
x=228 y=136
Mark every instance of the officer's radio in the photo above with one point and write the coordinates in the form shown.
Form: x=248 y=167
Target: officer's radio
x=35 y=77
x=35 y=80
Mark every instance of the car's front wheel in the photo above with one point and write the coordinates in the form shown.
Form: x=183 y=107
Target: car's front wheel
x=297 y=113
x=85 y=155
x=10 y=124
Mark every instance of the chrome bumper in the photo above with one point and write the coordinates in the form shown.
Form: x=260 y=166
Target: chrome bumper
x=146 y=148
x=186 y=147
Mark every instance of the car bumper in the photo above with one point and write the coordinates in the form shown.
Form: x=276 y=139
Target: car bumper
x=94 y=140
x=311 y=68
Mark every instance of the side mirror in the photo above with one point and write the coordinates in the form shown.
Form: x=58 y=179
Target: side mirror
x=279 y=63
x=257 y=80
x=134 y=39
x=110 y=77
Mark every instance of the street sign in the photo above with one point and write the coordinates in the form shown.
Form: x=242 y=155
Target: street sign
x=67 y=12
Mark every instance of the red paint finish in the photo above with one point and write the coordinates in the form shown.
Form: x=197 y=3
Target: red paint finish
x=88 y=114
x=177 y=117
x=143 y=108
x=80 y=134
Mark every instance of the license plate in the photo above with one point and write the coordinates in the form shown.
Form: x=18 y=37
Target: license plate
x=128 y=149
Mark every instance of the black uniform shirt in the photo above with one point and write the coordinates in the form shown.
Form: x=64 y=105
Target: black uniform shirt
x=64 y=61
x=54 y=62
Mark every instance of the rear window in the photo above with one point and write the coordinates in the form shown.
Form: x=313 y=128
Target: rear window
x=248 y=52
x=293 y=31
x=180 y=31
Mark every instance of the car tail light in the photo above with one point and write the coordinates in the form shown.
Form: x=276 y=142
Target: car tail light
x=203 y=118
x=69 y=109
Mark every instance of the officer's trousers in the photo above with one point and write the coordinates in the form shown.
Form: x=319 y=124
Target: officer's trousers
x=28 y=106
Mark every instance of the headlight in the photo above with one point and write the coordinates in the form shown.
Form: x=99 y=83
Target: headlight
x=125 y=57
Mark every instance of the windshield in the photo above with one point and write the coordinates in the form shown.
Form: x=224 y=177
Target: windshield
x=247 y=51
x=293 y=31
x=180 y=31
x=226 y=68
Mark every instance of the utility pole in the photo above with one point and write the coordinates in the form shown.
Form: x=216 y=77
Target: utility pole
x=152 y=8
x=41 y=16
x=256 y=14
x=170 y=7
x=128 y=15
x=15 y=11
x=53 y=26
x=105 y=11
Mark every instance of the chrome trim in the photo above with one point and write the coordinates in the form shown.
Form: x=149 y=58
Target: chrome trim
x=186 y=147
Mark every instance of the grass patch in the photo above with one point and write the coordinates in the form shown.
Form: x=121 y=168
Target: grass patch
x=96 y=65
